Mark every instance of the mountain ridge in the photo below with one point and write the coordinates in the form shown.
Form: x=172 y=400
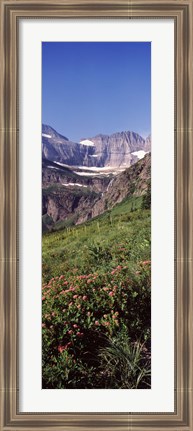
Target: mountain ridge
x=99 y=151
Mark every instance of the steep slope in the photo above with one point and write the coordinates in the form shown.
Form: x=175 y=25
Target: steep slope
x=133 y=181
x=118 y=149
x=56 y=147
x=67 y=201
x=147 y=146
x=67 y=196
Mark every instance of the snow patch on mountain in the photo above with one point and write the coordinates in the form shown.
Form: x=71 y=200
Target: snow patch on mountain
x=54 y=167
x=46 y=136
x=73 y=184
x=87 y=142
x=140 y=154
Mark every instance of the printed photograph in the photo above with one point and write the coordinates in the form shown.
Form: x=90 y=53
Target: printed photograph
x=96 y=215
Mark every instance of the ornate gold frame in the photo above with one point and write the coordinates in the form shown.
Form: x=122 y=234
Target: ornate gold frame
x=182 y=13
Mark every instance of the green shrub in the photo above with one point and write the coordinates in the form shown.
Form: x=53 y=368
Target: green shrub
x=124 y=364
x=79 y=310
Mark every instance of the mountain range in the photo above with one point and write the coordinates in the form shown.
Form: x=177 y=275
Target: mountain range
x=118 y=149
x=81 y=180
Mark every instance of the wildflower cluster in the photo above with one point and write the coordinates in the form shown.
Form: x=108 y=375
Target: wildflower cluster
x=80 y=310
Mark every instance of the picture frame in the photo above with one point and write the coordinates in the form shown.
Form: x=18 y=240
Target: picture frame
x=11 y=12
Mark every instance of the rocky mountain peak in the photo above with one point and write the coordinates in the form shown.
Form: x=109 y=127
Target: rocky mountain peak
x=119 y=149
x=50 y=133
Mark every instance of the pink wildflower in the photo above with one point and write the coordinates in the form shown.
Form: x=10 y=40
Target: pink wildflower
x=69 y=344
x=70 y=332
x=61 y=348
x=106 y=323
x=79 y=334
x=89 y=281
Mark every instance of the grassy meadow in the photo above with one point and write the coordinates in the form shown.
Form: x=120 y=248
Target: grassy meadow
x=96 y=301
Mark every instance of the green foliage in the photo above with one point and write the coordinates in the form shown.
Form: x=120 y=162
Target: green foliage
x=125 y=364
x=79 y=311
x=47 y=219
x=96 y=302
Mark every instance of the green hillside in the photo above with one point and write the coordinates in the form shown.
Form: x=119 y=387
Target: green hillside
x=88 y=246
x=97 y=301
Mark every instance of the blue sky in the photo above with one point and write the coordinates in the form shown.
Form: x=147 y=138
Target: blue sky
x=96 y=87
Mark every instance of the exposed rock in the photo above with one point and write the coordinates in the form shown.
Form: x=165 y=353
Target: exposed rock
x=102 y=150
x=133 y=181
x=78 y=204
x=147 y=146
x=72 y=205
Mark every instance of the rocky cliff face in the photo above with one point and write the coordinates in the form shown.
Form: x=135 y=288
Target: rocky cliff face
x=56 y=147
x=133 y=181
x=118 y=149
x=147 y=146
x=54 y=175
x=73 y=194
x=68 y=196
x=69 y=205
x=77 y=200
